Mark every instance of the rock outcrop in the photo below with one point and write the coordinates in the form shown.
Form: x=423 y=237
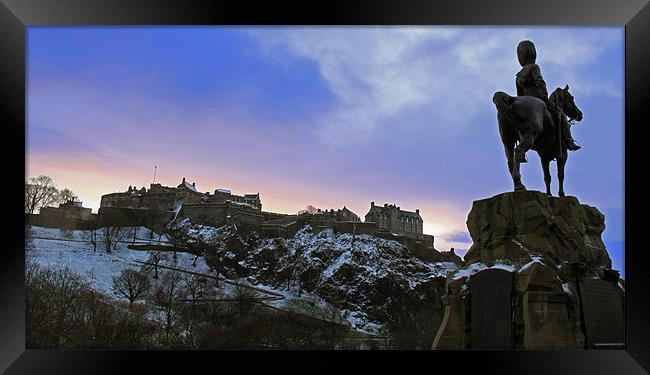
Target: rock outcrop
x=518 y=226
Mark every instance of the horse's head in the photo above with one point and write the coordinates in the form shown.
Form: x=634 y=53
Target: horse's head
x=566 y=101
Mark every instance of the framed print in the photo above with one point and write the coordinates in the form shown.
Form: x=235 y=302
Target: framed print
x=432 y=179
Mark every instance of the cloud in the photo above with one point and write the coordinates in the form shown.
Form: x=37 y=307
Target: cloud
x=457 y=236
x=447 y=74
x=367 y=71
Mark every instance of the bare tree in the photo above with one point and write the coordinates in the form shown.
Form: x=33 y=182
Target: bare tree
x=246 y=299
x=66 y=195
x=156 y=219
x=92 y=237
x=51 y=306
x=192 y=316
x=111 y=236
x=309 y=210
x=39 y=192
x=63 y=313
x=178 y=237
x=154 y=260
x=131 y=285
x=299 y=275
x=199 y=247
x=165 y=298
x=197 y=286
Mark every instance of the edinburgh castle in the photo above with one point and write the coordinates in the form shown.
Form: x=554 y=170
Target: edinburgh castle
x=142 y=207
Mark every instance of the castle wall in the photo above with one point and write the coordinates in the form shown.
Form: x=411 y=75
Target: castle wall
x=122 y=216
x=212 y=214
x=268 y=216
x=187 y=197
x=284 y=230
x=164 y=200
x=355 y=227
x=222 y=197
x=215 y=214
x=421 y=247
x=120 y=200
x=160 y=198
x=51 y=217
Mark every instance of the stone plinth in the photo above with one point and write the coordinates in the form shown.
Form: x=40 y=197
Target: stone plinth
x=515 y=226
x=554 y=276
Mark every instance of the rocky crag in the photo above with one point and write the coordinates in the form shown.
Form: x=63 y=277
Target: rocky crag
x=377 y=283
x=537 y=276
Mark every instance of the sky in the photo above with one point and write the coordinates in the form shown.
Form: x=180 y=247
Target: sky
x=327 y=116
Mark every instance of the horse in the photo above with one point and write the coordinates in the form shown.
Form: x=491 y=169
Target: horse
x=525 y=123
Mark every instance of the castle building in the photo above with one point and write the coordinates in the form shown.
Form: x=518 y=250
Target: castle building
x=171 y=198
x=345 y=214
x=393 y=219
x=225 y=195
x=341 y=214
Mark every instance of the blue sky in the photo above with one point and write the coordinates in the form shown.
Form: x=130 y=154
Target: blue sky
x=324 y=116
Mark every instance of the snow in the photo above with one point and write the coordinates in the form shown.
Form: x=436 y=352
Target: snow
x=348 y=265
x=241 y=204
x=342 y=259
x=204 y=232
x=97 y=267
x=142 y=234
x=177 y=208
x=369 y=258
x=535 y=259
x=189 y=186
x=519 y=244
x=58 y=249
x=476 y=267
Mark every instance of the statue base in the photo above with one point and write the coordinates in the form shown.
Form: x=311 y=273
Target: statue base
x=538 y=276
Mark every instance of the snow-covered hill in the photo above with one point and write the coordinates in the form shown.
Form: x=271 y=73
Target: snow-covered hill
x=374 y=281
x=58 y=249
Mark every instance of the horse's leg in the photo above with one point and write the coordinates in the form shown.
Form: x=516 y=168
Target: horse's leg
x=508 y=139
x=547 y=173
x=513 y=167
x=516 y=176
x=561 y=162
x=509 y=157
x=525 y=143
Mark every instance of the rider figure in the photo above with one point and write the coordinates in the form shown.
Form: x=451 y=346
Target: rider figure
x=529 y=82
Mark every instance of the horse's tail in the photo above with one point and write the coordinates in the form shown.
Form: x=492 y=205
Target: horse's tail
x=503 y=102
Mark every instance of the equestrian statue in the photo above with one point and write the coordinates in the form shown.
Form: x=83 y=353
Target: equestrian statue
x=533 y=120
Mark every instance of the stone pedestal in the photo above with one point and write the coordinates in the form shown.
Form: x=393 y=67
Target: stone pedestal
x=514 y=226
x=553 y=275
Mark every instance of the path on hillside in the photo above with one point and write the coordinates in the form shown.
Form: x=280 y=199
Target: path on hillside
x=275 y=296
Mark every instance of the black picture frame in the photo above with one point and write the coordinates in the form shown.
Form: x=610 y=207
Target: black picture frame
x=16 y=15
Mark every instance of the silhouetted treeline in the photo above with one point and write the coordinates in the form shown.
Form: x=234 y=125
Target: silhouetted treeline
x=62 y=312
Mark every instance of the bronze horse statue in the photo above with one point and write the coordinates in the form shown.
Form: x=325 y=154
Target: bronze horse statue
x=525 y=124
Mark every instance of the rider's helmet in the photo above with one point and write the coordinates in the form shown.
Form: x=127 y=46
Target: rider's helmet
x=526 y=53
